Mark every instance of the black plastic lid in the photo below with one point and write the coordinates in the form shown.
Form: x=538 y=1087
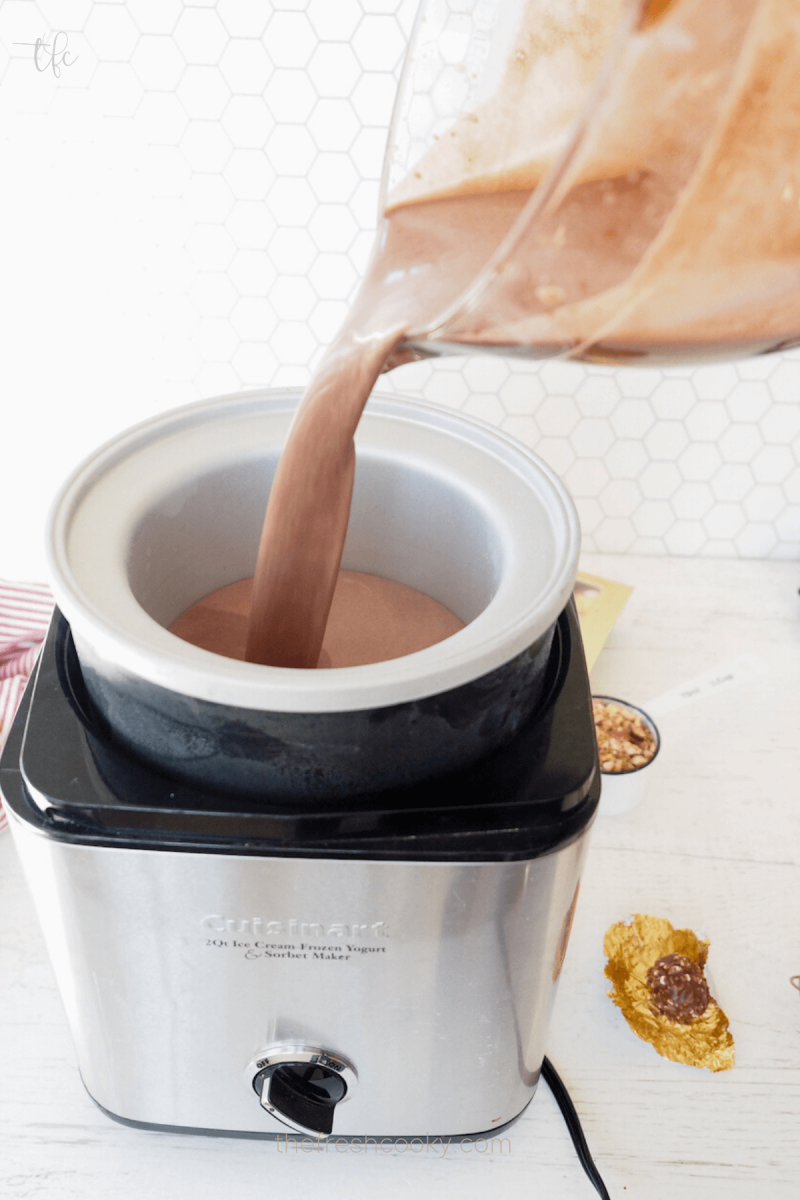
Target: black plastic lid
x=62 y=772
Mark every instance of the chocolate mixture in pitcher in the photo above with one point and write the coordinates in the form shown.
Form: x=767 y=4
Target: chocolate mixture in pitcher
x=673 y=221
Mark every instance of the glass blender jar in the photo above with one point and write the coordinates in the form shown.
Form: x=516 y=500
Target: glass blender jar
x=645 y=152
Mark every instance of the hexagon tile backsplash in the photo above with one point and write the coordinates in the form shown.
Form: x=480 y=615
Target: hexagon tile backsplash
x=194 y=197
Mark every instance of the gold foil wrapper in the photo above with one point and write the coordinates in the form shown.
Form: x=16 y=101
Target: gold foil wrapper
x=632 y=949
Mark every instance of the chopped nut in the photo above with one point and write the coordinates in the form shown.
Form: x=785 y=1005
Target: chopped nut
x=624 y=741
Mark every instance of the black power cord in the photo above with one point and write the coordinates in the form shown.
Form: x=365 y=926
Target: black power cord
x=562 y=1099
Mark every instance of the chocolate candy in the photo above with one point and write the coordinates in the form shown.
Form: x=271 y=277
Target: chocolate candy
x=660 y=988
x=679 y=989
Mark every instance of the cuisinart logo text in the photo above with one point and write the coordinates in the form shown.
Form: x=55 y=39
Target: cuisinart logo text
x=260 y=927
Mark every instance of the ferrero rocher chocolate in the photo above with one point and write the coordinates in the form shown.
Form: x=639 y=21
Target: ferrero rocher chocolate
x=661 y=989
x=679 y=989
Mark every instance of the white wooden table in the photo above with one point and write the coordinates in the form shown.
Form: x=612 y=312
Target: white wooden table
x=715 y=846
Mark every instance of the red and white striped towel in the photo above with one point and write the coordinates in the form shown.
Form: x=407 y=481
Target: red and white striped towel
x=25 y=610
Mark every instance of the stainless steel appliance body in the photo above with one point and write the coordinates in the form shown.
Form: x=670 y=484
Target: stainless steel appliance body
x=180 y=971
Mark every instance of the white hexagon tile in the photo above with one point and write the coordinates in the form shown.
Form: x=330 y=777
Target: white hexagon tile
x=193 y=202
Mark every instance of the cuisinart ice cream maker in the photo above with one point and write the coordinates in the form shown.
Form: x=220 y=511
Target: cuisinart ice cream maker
x=335 y=902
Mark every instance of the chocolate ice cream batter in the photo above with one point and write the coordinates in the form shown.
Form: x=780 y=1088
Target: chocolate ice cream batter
x=425 y=257
x=371 y=620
